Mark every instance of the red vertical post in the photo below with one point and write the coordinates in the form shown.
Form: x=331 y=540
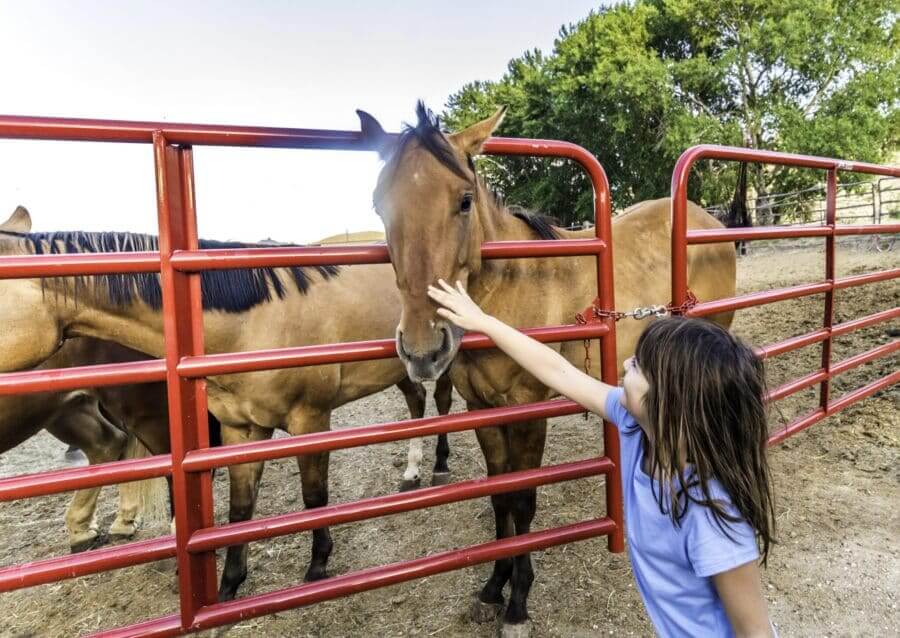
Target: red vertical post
x=183 y=329
x=609 y=372
x=679 y=228
x=830 y=221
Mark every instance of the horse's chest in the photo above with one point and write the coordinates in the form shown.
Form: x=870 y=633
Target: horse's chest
x=493 y=381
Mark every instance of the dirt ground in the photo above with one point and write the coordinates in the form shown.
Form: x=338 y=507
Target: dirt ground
x=834 y=572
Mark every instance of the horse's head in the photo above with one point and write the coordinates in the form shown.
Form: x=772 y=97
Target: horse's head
x=430 y=201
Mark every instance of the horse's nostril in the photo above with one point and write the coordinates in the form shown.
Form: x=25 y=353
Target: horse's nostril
x=445 y=341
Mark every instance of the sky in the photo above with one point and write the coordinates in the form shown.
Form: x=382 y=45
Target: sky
x=298 y=64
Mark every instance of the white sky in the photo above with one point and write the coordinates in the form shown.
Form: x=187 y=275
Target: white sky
x=296 y=64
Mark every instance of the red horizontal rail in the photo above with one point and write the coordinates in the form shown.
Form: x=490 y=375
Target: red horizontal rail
x=234 y=362
x=716 y=235
x=757 y=299
x=861 y=393
x=91 y=130
x=867 y=278
x=734 y=153
x=867 y=229
x=865 y=357
x=255 y=530
x=229 y=258
x=372 y=578
x=104 y=559
x=72 y=264
x=202 y=460
x=796 y=426
x=793 y=292
x=834 y=407
x=79 y=478
x=865 y=322
x=63 y=379
x=801 y=383
x=795 y=343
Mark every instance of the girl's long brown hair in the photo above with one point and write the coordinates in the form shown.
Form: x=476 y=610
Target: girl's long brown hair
x=706 y=405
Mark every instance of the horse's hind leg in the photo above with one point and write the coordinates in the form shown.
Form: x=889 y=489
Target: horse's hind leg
x=443 y=398
x=244 y=486
x=84 y=426
x=415 y=395
x=314 y=480
x=526 y=442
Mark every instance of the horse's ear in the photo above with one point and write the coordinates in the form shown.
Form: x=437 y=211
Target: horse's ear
x=471 y=140
x=18 y=222
x=373 y=136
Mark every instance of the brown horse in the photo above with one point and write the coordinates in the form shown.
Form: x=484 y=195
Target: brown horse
x=107 y=424
x=436 y=213
x=243 y=310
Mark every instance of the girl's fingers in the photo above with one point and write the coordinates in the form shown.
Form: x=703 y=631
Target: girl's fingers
x=445 y=285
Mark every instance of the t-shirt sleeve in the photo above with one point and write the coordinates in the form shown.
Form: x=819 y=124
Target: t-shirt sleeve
x=711 y=551
x=615 y=411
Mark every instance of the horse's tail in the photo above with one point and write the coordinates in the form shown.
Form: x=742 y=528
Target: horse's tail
x=151 y=495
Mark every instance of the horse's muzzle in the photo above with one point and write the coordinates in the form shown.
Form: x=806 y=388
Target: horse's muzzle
x=430 y=364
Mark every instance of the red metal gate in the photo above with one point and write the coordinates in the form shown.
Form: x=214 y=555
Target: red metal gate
x=681 y=237
x=185 y=367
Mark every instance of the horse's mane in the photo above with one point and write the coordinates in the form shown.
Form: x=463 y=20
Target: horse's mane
x=226 y=290
x=427 y=132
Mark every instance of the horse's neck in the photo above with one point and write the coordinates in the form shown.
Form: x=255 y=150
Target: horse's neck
x=136 y=325
x=501 y=280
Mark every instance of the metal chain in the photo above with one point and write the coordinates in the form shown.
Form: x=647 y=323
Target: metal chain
x=592 y=313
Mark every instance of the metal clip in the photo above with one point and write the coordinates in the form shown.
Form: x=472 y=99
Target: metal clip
x=642 y=313
x=660 y=311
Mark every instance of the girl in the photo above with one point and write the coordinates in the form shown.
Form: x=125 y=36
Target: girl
x=693 y=463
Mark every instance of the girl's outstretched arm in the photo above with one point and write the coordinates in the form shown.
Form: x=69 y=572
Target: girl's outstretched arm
x=548 y=366
x=744 y=603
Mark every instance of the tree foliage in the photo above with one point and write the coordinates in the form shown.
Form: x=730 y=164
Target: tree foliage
x=637 y=84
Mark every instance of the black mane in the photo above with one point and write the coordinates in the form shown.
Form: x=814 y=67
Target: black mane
x=226 y=290
x=428 y=133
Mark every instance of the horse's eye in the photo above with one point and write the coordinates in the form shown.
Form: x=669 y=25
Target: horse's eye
x=466 y=204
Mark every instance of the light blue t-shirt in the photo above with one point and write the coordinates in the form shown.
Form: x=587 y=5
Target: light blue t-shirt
x=673 y=564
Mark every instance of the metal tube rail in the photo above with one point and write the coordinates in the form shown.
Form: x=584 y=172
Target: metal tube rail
x=364 y=580
x=59 y=568
x=230 y=258
x=79 y=478
x=792 y=292
x=234 y=362
x=834 y=407
x=77 y=264
x=64 y=379
x=369 y=508
x=210 y=458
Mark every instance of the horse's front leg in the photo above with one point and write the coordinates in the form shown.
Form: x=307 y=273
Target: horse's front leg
x=489 y=601
x=244 y=485
x=304 y=419
x=443 y=398
x=415 y=396
x=526 y=442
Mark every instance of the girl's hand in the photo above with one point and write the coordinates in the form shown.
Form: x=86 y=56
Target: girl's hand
x=458 y=307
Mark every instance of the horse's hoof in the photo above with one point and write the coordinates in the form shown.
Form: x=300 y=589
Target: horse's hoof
x=88 y=544
x=74 y=456
x=519 y=630
x=228 y=589
x=121 y=530
x=409 y=484
x=483 y=612
x=315 y=573
x=440 y=478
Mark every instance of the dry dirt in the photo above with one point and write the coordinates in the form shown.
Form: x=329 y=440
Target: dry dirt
x=835 y=571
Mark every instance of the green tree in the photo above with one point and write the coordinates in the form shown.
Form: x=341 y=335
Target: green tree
x=637 y=84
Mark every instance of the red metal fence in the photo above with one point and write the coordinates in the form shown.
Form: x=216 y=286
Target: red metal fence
x=185 y=367
x=682 y=237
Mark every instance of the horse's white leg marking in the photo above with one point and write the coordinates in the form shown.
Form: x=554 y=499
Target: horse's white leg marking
x=413 y=460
